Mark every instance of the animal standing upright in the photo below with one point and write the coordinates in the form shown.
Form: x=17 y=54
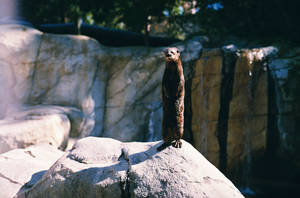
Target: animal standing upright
x=172 y=99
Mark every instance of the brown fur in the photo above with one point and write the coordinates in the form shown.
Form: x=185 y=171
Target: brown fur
x=172 y=99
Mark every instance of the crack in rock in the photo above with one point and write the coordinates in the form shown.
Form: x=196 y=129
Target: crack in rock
x=30 y=153
x=76 y=158
x=125 y=184
x=12 y=181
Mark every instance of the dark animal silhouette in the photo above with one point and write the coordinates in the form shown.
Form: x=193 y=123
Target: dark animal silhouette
x=172 y=99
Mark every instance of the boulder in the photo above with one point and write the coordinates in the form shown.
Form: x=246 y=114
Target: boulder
x=75 y=116
x=22 y=168
x=40 y=68
x=116 y=89
x=19 y=47
x=36 y=125
x=103 y=167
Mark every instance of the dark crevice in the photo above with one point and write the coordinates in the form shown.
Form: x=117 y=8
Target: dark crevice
x=10 y=180
x=76 y=158
x=107 y=36
x=125 y=184
x=228 y=68
x=107 y=72
x=188 y=75
x=93 y=132
x=36 y=62
x=272 y=131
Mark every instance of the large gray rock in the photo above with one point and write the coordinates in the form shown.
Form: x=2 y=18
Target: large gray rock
x=19 y=47
x=75 y=116
x=103 y=167
x=22 y=168
x=50 y=69
x=34 y=125
x=116 y=89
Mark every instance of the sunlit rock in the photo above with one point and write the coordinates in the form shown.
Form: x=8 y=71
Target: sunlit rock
x=248 y=114
x=34 y=126
x=205 y=91
x=230 y=96
x=103 y=167
x=20 y=169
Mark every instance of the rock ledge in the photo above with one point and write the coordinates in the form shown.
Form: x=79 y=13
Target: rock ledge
x=103 y=167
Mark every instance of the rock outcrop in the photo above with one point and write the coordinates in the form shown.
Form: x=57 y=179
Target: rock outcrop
x=34 y=126
x=116 y=89
x=206 y=85
x=73 y=86
x=103 y=167
x=230 y=104
x=248 y=110
x=20 y=169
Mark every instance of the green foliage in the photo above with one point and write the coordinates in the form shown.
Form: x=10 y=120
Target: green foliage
x=246 y=18
x=134 y=14
x=264 y=18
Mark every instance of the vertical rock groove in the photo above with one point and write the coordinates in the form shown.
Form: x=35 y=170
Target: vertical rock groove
x=189 y=74
x=228 y=68
x=272 y=131
x=36 y=62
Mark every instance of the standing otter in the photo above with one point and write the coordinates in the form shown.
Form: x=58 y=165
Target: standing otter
x=172 y=99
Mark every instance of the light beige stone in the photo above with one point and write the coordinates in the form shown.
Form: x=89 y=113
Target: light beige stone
x=20 y=169
x=248 y=115
x=34 y=128
x=205 y=93
x=103 y=167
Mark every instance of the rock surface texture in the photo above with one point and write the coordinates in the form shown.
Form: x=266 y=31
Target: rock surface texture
x=33 y=126
x=103 y=167
x=116 y=90
x=285 y=106
x=20 y=169
x=230 y=104
x=58 y=86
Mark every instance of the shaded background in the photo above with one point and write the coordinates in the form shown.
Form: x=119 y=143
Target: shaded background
x=246 y=24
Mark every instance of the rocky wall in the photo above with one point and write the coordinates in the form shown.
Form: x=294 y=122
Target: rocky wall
x=115 y=92
x=230 y=103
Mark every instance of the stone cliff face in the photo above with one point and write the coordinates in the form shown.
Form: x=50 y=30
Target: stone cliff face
x=116 y=89
x=230 y=105
x=116 y=92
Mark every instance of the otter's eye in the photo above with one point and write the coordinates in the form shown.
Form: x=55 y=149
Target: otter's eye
x=177 y=51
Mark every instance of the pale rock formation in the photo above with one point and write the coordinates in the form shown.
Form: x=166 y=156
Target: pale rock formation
x=116 y=89
x=38 y=68
x=33 y=127
x=103 y=167
x=20 y=169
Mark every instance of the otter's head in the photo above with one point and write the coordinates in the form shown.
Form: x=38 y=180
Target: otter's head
x=171 y=54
